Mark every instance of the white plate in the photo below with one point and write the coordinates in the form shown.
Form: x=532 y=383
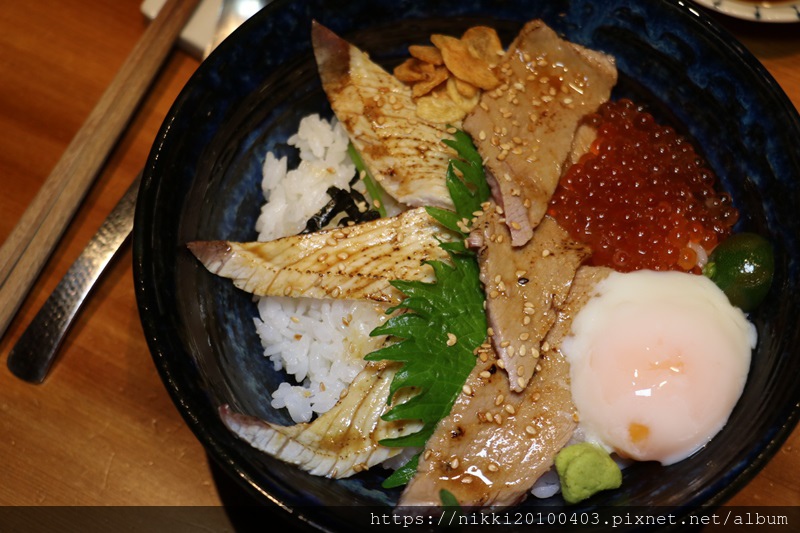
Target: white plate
x=779 y=11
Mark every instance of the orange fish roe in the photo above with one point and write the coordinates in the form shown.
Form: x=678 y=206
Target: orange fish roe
x=641 y=198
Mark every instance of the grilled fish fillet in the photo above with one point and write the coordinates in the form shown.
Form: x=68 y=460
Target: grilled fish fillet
x=524 y=128
x=341 y=442
x=355 y=262
x=403 y=152
x=496 y=443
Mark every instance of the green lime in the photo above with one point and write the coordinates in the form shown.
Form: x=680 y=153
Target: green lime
x=742 y=266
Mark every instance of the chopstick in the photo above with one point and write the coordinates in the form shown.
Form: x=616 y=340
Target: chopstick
x=33 y=239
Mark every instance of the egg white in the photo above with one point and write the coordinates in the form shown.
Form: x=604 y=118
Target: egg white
x=658 y=361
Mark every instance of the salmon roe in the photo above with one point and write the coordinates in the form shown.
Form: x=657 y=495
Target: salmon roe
x=641 y=197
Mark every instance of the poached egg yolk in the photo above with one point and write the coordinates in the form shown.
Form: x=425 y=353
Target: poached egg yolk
x=658 y=361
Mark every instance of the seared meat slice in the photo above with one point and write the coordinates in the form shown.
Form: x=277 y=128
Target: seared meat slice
x=496 y=443
x=355 y=262
x=524 y=288
x=524 y=128
x=403 y=152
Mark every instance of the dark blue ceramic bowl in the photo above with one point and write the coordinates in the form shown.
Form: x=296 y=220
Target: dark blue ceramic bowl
x=202 y=182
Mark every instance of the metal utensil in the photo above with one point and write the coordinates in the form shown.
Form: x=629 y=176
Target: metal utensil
x=34 y=353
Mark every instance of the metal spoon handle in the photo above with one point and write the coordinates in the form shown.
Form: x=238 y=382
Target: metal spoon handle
x=33 y=355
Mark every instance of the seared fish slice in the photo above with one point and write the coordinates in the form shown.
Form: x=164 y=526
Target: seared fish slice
x=524 y=128
x=355 y=262
x=403 y=152
x=524 y=287
x=496 y=443
x=341 y=442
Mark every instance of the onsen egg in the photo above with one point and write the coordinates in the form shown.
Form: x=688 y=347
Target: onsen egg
x=658 y=361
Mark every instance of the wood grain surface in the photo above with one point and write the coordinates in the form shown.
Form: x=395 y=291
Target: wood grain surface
x=102 y=430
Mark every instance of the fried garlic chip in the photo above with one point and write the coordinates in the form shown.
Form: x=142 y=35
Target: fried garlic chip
x=437 y=107
x=428 y=54
x=463 y=64
x=446 y=79
x=484 y=43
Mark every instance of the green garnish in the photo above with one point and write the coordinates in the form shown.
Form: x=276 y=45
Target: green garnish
x=446 y=324
x=402 y=475
x=448 y=499
x=373 y=189
x=445 y=320
x=743 y=266
x=466 y=182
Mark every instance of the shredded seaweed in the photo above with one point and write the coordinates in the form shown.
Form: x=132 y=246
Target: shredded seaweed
x=350 y=205
x=444 y=321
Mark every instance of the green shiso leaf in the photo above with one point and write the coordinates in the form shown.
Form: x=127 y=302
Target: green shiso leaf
x=466 y=182
x=402 y=475
x=450 y=308
x=444 y=321
x=448 y=499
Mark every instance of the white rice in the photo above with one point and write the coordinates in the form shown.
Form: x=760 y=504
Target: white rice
x=295 y=195
x=320 y=344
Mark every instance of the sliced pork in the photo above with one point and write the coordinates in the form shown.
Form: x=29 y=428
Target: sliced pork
x=524 y=287
x=524 y=129
x=496 y=443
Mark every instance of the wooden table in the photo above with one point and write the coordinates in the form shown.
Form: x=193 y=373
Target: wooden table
x=102 y=430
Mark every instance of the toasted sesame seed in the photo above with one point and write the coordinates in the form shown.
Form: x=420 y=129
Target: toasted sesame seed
x=524 y=336
x=466 y=389
x=342 y=256
x=526 y=320
x=499 y=399
x=288 y=290
x=530 y=430
x=576 y=417
x=466 y=479
x=523 y=350
x=454 y=463
x=322 y=257
x=520 y=369
x=545 y=253
x=451 y=339
x=427 y=454
x=545 y=346
x=500 y=364
x=485 y=374
x=509 y=409
x=521 y=381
